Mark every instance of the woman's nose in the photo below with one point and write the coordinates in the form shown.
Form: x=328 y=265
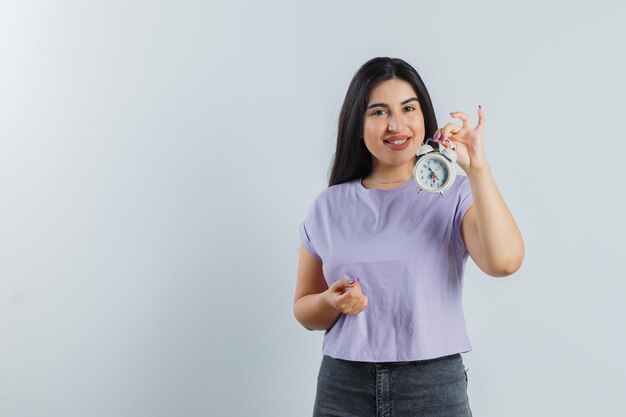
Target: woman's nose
x=396 y=124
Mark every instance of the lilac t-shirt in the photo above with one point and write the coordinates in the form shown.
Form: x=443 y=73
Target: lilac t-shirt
x=407 y=250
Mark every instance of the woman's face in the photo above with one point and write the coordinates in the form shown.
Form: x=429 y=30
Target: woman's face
x=394 y=111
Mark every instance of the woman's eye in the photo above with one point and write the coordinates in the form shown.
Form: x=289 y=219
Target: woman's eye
x=376 y=113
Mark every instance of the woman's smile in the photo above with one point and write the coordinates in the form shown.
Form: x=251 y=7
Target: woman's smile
x=398 y=146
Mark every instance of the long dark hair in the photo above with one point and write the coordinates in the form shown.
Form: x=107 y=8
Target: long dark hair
x=352 y=159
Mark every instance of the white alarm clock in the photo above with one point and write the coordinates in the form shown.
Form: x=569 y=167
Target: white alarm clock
x=434 y=170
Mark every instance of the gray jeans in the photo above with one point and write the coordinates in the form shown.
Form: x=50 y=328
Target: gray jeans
x=428 y=388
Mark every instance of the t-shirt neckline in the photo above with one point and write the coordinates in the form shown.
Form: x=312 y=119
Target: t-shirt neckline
x=379 y=191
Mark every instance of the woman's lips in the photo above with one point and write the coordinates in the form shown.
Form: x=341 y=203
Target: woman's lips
x=399 y=147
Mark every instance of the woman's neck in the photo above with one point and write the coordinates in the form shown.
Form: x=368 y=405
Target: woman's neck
x=392 y=174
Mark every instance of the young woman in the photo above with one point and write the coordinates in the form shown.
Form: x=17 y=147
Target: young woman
x=381 y=265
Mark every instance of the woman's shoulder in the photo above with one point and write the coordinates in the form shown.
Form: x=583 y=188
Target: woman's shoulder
x=333 y=194
x=462 y=183
x=337 y=189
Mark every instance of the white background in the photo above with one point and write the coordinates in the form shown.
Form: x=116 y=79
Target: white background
x=156 y=158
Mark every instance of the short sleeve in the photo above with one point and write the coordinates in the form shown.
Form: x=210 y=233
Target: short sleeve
x=308 y=234
x=465 y=200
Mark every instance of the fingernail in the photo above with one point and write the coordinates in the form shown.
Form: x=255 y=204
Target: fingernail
x=437 y=135
x=452 y=114
x=352 y=281
x=357 y=278
x=480 y=107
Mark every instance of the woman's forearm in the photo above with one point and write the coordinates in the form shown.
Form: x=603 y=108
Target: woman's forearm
x=315 y=313
x=500 y=238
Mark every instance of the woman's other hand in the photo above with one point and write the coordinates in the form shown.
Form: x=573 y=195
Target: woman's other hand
x=347 y=297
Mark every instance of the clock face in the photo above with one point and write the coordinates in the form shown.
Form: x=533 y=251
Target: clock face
x=432 y=173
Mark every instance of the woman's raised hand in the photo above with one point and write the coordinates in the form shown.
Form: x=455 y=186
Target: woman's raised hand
x=347 y=297
x=467 y=140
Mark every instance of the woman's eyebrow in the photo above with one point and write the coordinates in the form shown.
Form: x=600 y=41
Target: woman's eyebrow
x=385 y=105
